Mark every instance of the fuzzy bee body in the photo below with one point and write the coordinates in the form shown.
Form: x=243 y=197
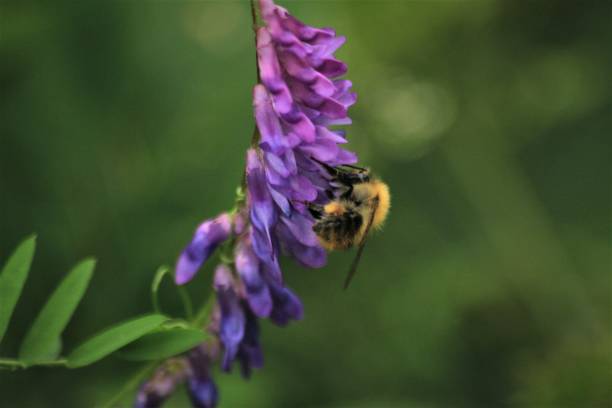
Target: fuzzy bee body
x=339 y=226
x=359 y=204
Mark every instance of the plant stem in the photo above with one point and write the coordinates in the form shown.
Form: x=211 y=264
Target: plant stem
x=131 y=385
x=186 y=302
x=256 y=25
x=204 y=313
x=255 y=28
x=11 y=364
x=52 y=363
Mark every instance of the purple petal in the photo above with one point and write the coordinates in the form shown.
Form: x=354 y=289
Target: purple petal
x=309 y=256
x=263 y=248
x=267 y=120
x=267 y=8
x=162 y=384
x=325 y=48
x=332 y=68
x=303 y=190
x=280 y=200
x=301 y=228
x=345 y=157
x=343 y=92
x=231 y=328
x=277 y=164
x=301 y=30
x=323 y=150
x=247 y=266
x=326 y=105
x=207 y=237
x=271 y=270
x=263 y=215
x=202 y=393
x=223 y=279
x=287 y=306
x=299 y=124
x=335 y=136
x=274 y=178
x=250 y=354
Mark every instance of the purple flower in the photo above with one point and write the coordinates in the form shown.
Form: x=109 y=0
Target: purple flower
x=154 y=392
x=262 y=208
x=248 y=268
x=238 y=330
x=231 y=327
x=202 y=392
x=207 y=237
x=298 y=99
x=250 y=354
x=287 y=306
x=200 y=387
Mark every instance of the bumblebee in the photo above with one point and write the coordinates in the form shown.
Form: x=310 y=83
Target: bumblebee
x=357 y=204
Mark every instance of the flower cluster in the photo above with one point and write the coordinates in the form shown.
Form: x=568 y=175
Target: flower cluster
x=296 y=102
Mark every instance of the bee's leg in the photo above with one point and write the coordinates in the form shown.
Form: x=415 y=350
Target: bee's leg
x=348 y=192
x=327 y=226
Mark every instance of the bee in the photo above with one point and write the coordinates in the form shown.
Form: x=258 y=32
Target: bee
x=358 y=204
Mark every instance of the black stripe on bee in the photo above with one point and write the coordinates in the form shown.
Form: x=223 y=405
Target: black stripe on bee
x=339 y=229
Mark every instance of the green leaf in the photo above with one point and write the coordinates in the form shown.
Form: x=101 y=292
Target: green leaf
x=163 y=344
x=12 y=278
x=112 y=339
x=43 y=341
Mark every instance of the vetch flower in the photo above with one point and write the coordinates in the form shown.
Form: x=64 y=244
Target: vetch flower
x=297 y=104
x=248 y=267
x=237 y=329
x=231 y=328
x=167 y=377
x=250 y=354
x=206 y=239
x=202 y=392
x=201 y=388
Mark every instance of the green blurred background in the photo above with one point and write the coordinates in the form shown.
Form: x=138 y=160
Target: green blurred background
x=124 y=124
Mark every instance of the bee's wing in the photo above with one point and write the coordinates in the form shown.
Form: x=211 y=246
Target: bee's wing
x=362 y=243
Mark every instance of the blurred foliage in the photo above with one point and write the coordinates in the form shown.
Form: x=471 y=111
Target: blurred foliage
x=124 y=123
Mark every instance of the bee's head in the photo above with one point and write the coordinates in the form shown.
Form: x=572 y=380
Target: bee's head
x=346 y=173
x=353 y=178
